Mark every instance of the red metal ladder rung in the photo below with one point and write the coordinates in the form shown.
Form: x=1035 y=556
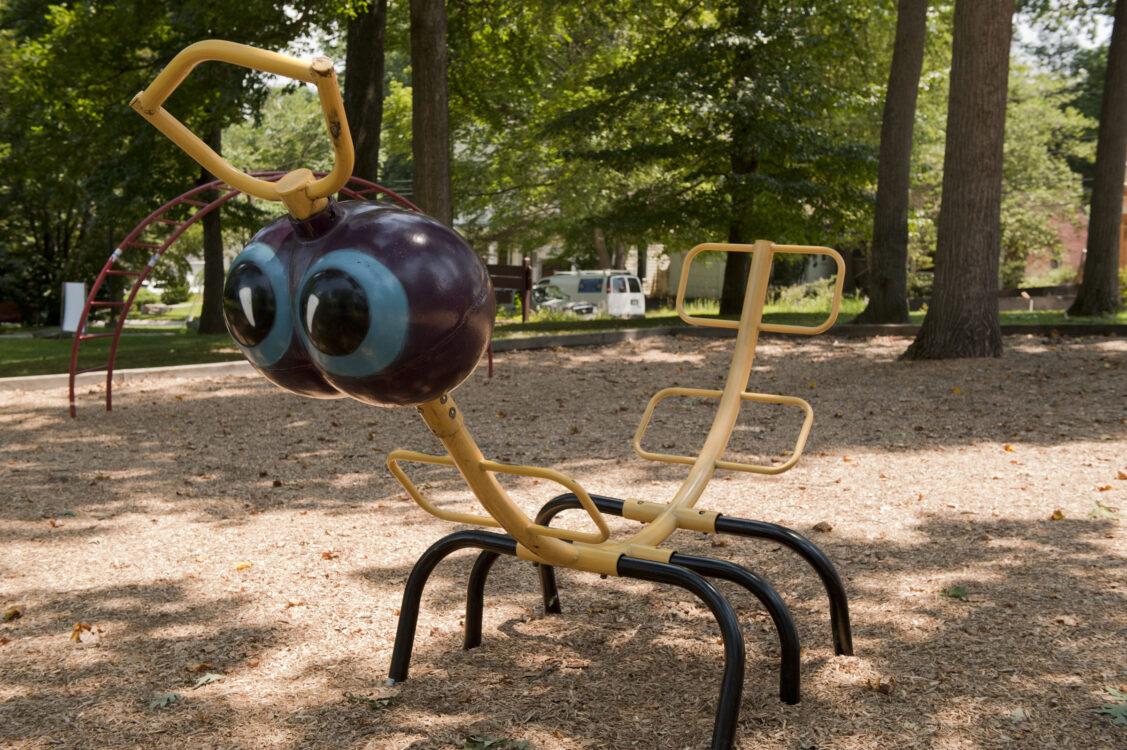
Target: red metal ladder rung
x=98 y=368
x=149 y=245
x=115 y=272
x=102 y=303
x=85 y=336
x=163 y=220
x=189 y=201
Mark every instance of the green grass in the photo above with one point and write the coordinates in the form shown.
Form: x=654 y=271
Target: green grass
x=29 y=356
x=161 y=347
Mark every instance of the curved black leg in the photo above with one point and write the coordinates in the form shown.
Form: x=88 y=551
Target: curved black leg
x=789 y=674
x=475 y=598
x=731 y=684
x=839 y=604
x=413 y=591
x=807 y=550
x=551 y=509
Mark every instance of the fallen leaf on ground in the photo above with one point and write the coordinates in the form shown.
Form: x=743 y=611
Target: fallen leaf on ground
x=243 y=565
x=161 y=700
x=955 y=592
x=823 y=526
x=380 y=697
x=13 y=613
x=207 y=679
x=1058 y=515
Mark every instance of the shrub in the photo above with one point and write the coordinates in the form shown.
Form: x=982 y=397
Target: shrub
x=174 y=294
x=143 y=297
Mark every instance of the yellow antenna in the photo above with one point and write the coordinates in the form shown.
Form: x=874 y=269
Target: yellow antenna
x=299 y=191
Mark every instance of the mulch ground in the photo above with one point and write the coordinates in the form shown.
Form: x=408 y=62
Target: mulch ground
x=245 y=550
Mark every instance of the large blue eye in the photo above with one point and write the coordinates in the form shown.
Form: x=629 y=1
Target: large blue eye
x=353 y=313
x=256 y=305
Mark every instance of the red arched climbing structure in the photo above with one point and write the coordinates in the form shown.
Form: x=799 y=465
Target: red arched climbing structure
x=356 y=188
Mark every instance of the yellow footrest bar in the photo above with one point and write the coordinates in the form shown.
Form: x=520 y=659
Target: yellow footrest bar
x=590 y=537
x=767 y=398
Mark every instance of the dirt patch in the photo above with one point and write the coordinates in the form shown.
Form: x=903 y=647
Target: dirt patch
x=222 y=527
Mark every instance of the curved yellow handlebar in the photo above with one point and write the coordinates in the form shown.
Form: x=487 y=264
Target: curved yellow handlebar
x=302 y=194
x=774 y=250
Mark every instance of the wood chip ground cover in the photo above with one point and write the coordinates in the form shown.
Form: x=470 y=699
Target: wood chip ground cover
x=222 y=527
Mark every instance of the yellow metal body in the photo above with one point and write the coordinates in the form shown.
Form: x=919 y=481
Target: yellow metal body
x=299 y=191
x=594 y=552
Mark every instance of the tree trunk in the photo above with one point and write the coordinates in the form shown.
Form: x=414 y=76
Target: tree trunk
x=430 y=121
x=962 y=319
x=363 y=86
x=744 y=161
x=601 y=249
x=619 y=254
x=211 y=314
x=888 y=260
x=1099 y=291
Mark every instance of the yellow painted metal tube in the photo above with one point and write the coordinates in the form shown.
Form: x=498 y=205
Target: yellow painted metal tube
x=768 y=398
x=445 y=420
x=727 y=411
x=595 y=537
x=299 y=191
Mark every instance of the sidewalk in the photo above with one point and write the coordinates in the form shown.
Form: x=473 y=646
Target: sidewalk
x=241 y=367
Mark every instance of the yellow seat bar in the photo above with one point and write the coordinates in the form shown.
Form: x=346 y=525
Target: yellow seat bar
x=769 y=398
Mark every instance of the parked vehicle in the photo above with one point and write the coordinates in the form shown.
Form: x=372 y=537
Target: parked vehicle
x=548 y=297
x=615 y=292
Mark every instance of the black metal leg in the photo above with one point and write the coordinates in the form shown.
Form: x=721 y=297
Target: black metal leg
x=548 y=588
x=413 y=591
x=839 y=604
x=789 y=671
x=475 y=598
x=731 y=684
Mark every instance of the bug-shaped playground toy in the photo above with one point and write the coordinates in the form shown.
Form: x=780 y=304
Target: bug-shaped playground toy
x=392 y=308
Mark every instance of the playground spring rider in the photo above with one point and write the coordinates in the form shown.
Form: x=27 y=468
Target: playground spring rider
x=392 y=308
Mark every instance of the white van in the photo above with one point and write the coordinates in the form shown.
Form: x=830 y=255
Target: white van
x=616 y=293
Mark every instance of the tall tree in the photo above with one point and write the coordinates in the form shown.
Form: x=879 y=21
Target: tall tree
x=211 y=308
x=888 y=258
x=962 y=318
x=1099 y=290
x=430 y=122
x=364 y=85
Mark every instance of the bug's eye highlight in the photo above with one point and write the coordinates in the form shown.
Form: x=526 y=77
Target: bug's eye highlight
x=335 y=312
x=249 y=304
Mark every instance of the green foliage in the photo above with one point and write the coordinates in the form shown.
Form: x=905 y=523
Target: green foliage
x=1039 y=190
x=620 y=117
x=81 y=167
x=163 y=700
x=1123 y=286
x=144 y=297
x=1117 y=712
x=176 y=294
x=1038 y=187
x=955 y=592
